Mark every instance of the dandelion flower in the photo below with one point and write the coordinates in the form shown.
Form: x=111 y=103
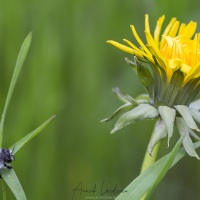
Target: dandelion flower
x=168 y=66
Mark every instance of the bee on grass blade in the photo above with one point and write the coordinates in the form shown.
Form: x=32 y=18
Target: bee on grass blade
x=6 y=156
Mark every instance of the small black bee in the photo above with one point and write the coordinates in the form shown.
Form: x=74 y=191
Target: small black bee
x=6 y=156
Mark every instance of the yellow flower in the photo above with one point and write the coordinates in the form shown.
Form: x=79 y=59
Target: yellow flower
x=176 y=49
x=168 y=66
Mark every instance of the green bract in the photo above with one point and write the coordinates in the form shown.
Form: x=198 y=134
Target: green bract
x=169 y=102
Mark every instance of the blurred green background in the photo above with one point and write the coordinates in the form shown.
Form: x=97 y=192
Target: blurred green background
x=70 y=71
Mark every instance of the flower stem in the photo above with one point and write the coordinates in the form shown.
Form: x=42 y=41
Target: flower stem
x=148 y=161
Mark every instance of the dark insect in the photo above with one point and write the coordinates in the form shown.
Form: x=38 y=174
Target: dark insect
x=6 y=156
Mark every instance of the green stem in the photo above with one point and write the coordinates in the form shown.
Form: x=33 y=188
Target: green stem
x=148 y=160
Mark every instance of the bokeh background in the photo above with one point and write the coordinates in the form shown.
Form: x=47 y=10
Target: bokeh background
x=70 y=71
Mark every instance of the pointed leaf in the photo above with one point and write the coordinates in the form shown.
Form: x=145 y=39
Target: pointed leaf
x=186 y=114
x=159 y=132
x=168 y=115
x=20 y=60
x=187 y=142
x=120 y=109
x=140 y=112
x=18 y=145
x=140 y=185
x=13 y=183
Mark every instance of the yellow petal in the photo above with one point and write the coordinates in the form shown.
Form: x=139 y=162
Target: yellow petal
x=175 y=63
x=182 y=27
x=166 y=31
x=195 y=50
x=139 y=40
x=193 y=72
x=121 y=47
x=147 y=28
x=189 y=29
x=154 y=49
x=140 y=52
x=174 y=29
x=158 y=29
x=185 y=68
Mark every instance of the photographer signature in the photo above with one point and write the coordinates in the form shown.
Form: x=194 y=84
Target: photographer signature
x=102 y=190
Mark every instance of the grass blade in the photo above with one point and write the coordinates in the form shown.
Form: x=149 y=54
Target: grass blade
x=18 y=145
x=141 y=184
x=13 y=183
x=164 y=168
x=3 y=191
x=20 y=60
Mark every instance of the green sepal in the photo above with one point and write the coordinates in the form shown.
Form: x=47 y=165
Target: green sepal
x=186 y=91
x=186 y=114
x=124 y=97
x=187 y=142
x=145 y=78
x=160 y=80
x=140 y=112
x=194 y=135
x=168 y=115
x=122 y=108
x=195 y=115
x=193 y=93
x=195 y=105
x=143 y=98
x=157 y=81
x=173 y=88
x=159 y=132
x=132 y=64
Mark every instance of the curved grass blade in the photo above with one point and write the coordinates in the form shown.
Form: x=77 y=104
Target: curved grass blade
x=164 y=168
x=18 y=145
x=13 y=183
x=20 y=60
x=141 y=184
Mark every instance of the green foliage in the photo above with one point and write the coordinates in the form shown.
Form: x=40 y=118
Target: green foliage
x=9 y=175
x=151 y=177
x=70 y=71
x=13 y=183
x=20 y=60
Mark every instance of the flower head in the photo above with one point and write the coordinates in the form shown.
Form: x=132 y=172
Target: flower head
x=173 y=56
x=168 y=66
